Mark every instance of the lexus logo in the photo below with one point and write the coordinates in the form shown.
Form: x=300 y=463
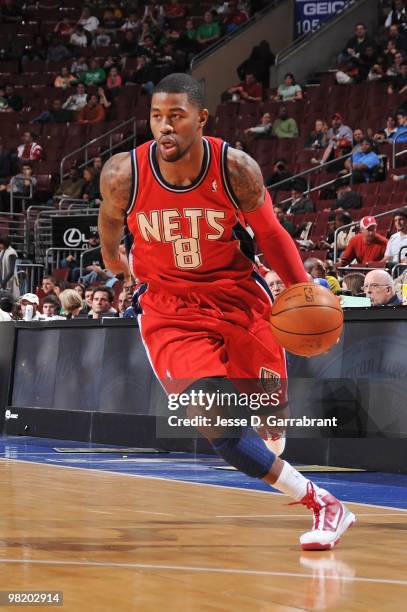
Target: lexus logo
x=73 y=237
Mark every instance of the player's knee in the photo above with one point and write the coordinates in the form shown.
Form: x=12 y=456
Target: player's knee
x=247 y=453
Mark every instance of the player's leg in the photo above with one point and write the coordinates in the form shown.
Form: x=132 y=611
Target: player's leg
x=244 y=449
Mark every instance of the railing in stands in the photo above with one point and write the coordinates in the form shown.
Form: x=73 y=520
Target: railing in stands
x=15 y=195
x=308 y=174
x=54 y=256
x=14 y=225
x=108 y=151
x=399 y=153
x=29 y=276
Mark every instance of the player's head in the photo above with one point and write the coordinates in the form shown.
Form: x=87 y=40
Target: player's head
x=177 y=115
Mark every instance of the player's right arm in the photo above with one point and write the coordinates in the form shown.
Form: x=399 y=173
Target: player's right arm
x=115 y=186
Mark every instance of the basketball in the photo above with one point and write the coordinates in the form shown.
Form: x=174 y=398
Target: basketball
x=307 y=319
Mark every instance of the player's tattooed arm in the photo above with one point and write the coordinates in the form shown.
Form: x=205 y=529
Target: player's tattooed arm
x=115 y=185
x=246 y=180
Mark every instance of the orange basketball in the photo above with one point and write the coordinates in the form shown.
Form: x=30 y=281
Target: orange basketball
x=307 y=319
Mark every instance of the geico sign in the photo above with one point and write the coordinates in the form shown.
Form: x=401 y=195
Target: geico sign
x=322 y=8
x=73 y=237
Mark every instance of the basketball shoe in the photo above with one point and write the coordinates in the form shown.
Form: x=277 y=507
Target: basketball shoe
x=331 y=519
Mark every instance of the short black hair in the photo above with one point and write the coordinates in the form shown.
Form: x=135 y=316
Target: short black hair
x=105 y=289
x=5 y=240
x=179 y=82
x=52 y=299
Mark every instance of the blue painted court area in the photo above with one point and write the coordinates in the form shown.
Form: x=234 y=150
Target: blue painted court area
x=364 y=487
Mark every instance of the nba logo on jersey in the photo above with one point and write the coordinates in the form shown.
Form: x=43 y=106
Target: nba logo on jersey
x=214 y=186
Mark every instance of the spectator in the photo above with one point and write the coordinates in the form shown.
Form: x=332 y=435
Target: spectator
x=38 y=51
x=358 y=137
x=357 y=44
x=250 y=90
x=174 y=10
x=388 y=131
x=263 y=129
x=14 y=99
x=339 y=137
x=258 y=63
x=317 y=138
x=29 y=149
x=57 y=51
x=89 y=22
x=8 y=267
x=285 y=126
x=91 y=190
x=98 y=164
x=398 y=239
x=22 y=185
x=132 y=23
x=398 y=83
x=128 y=46
x=316 y=269
x=88 y=299
x=143 y=74
x=76 y=101
x=234 y=17
x=93 y=112
x=79 y=66
x=57 y=114
x=209 y=31
x=64 y=28
x=64 y=78
x=397 y=15
x=379 y=287
x=71 y=187
x=397 y=37
x=111 y=19
x=280 y=173
x=346 y=198
x=283 y=220
x=300 y=204
x=275 y=283
x=51 y=308
x=102 y=38
x=366 y=247
x=395 y=69
x=78 y=37
x=95 y=75
x=71 y=303
x=364 y=164
x=114 y=80
x=353 y=283
x=400 y=135
x=239 y=145
x=343 y=237
x=29 y=304
x=123 y=302
x=289 y=90
x=102 y=304
x=48 y=285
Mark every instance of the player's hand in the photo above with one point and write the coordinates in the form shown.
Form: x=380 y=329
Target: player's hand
x=119 y=265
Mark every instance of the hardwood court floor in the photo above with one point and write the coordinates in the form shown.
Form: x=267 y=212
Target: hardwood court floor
x=114 y=542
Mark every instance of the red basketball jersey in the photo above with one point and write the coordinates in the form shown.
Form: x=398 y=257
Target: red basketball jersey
x=183 y=236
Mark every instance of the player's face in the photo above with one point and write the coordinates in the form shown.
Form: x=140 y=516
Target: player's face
x=176 y=124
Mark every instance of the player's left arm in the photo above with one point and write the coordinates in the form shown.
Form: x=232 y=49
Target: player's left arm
x=115 y=186
x=255 y=202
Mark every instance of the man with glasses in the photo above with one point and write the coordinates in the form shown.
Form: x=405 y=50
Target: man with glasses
x=275 y=283
x=379 y=287
x=398 y=239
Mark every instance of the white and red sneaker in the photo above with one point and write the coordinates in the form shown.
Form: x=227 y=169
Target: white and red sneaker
x=331 y=519
x=274 y=441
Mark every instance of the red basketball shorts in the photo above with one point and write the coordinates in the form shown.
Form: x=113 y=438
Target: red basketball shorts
x=222 y=333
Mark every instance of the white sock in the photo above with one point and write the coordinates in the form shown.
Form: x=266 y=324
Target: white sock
x=291 y=482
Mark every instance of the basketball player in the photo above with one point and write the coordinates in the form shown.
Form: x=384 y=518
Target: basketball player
x=205 y=312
